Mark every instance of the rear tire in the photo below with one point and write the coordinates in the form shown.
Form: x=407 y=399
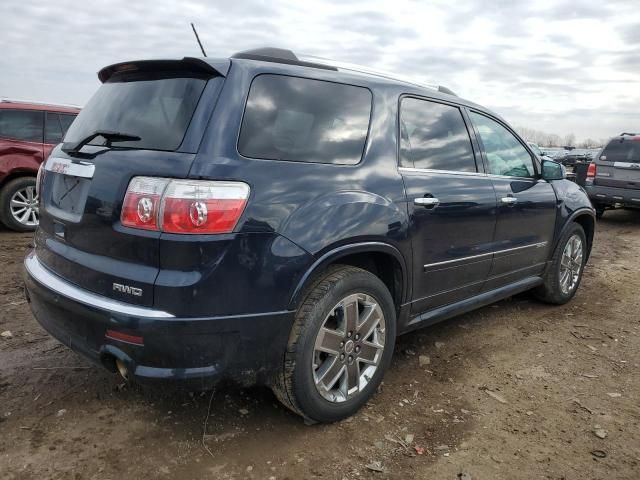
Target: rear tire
x=563 y=276
x=599 y=211
x=340 y=345
x=18 y=204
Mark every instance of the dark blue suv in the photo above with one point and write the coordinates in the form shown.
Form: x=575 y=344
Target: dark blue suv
x=280 y=220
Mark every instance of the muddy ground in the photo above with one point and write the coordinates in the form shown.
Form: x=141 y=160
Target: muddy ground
x=517 y=390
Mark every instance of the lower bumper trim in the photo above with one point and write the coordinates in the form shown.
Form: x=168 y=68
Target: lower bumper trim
x=44 y=277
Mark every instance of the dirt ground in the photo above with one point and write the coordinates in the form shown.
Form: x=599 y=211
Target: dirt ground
x=517 y=390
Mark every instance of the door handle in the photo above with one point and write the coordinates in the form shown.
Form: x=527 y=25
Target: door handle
x=509 y=200
x=428 y=202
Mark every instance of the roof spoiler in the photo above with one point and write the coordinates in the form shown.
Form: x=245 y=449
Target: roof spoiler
x=210 y=66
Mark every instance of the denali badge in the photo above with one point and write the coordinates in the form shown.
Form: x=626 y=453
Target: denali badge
x=118 y=287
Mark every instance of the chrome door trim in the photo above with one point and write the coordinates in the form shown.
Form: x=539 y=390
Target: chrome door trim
x=41 y=275
x=65 y=166
x=445 y=172
x=484 y=255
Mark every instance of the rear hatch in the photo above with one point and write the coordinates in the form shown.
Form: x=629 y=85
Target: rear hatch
x=619 y=163
x=152 y=115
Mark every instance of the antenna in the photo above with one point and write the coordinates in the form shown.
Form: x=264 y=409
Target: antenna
x=195 y=32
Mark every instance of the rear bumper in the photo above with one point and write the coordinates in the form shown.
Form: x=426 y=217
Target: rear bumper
x=197 y=352
x=611 y=195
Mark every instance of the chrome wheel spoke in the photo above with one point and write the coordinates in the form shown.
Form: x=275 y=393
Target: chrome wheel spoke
x=350 y=310
x=353 y=377
x=329 y=341
x=331 y=371
x=368 y=352
x=370 y=320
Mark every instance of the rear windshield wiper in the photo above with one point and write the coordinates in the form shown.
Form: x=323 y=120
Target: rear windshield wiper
x=108 y=135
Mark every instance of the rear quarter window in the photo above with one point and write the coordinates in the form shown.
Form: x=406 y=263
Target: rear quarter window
x=305 y=120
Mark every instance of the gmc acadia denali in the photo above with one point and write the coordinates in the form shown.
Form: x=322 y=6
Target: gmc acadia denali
x=278 y=219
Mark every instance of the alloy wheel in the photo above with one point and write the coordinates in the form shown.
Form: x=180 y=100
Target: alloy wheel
x=348 y=347
x=24 y=206
x=571 y=264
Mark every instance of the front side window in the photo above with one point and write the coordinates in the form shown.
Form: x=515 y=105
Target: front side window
x=26 y=125
x=305 y=120
x=434 y=136
x=505 y=154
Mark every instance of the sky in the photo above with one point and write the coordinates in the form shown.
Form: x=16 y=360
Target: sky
x=559 y=66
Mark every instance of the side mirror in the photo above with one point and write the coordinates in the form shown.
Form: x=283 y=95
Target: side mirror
x=553 y=170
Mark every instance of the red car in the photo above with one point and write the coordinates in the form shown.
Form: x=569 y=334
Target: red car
x=28 y=133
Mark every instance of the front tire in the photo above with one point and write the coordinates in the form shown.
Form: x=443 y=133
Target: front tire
x=563 y=276
x=340 y=345
x=19 y=204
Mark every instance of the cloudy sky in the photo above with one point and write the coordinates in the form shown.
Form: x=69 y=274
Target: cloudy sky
x=560 y=66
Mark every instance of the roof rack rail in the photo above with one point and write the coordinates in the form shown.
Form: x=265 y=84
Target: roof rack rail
x=281 y=55
x=33 y=102
x=278 y=55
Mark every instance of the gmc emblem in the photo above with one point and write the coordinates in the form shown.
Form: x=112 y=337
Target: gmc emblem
x=136 y=292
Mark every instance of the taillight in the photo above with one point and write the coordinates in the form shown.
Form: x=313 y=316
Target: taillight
x=141 y=205
x=591 y=171
x=184 y=206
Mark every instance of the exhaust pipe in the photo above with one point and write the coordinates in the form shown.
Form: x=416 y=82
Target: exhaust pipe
x=122 y=369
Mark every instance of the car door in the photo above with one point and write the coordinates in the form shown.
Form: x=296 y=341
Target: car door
x=451 y=203
x=527 y=204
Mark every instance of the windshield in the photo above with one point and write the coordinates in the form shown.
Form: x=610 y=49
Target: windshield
x=158 y=110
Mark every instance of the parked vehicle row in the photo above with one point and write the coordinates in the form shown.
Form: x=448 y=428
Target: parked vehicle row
x=28 y=133
x=613 y=178
x=280 y=220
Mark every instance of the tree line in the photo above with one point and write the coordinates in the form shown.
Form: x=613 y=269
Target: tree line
x=544 y=139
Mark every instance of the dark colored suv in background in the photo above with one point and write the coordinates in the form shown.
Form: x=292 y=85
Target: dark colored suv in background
x=28 y=133
x=613 y=177
x=280 y=220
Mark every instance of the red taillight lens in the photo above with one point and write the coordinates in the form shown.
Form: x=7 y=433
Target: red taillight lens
x=142 y=202
x=203 y=207
x=184 y=206
x=591 y=171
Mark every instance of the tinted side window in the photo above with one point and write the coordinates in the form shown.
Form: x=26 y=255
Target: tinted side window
x=21 y=125
x=627 y=150
x=52 y=128
x=304 y=120
x=505 y=154
x=434 y=136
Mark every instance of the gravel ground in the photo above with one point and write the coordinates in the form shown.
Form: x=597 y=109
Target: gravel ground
x=517 y=390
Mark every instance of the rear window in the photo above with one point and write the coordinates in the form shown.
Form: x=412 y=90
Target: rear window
x=627 y=150
x=26 y=125
x=158 y=110
x=305 y=120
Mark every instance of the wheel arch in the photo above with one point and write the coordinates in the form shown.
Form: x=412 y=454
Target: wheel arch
x=584 y=217
x=382 y=259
